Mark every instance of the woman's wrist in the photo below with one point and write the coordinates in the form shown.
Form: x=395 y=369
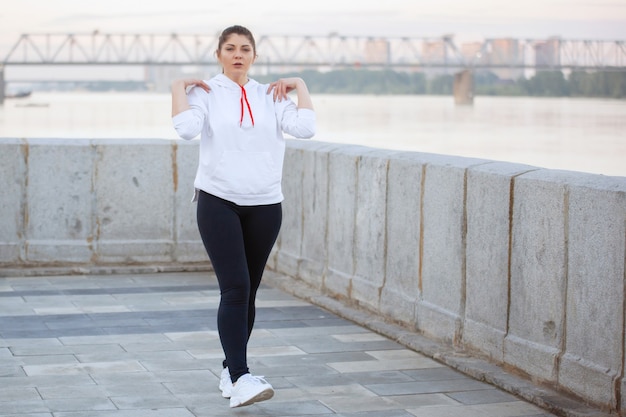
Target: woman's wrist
x=178 y=85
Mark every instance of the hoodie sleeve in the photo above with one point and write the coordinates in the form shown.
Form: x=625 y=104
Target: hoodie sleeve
x=299 y=123
x=188 y=124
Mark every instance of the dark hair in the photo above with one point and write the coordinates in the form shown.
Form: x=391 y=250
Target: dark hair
x=238 y=30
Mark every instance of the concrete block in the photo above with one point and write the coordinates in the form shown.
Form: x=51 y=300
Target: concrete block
x=592 y=362
x=400 y=292
x=370 y=238
x=439 y=312
x=13 y=177
x=315 y=213
x=134 y=200
x=487 y=255
x=342 y=186
x=189 y=247
x=60 y=201
x=538 y=268
x=290 y=238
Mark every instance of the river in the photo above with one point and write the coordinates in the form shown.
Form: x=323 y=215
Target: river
x=587 y=135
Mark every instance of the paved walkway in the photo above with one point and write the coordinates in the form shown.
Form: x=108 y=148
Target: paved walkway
x=146 y=345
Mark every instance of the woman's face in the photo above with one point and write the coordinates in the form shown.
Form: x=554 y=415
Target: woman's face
x=236 y=56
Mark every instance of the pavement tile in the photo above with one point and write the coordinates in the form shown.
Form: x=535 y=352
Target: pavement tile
x=343 y=390
x=80 y=404
x=146 y=345
x=84 y=368
x=5 y=353
x=510 y=409
x=434 y=374
x=147 y=402
x=426 y=387
x=39 y=381
x=32 y=360
x=353 y=403
x=165 y=412
x=482 y=397
x=379 y=377
x=384 y=365
x=304 y=408
x=9 y=407
x=387 y=413
x=422 y=400
x=72 y=391
x=10 y=371
x=11 y=394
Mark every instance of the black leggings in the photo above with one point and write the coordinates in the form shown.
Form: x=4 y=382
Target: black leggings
x=238 y=240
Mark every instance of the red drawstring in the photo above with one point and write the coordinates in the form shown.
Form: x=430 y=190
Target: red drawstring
x=245 y=97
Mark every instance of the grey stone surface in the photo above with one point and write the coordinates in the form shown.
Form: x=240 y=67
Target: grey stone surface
x=401 y=291
x=538 y=274
x=60 y=201
x=489 y=189
x=370 y=235
x=442 y=302
x=150 y=372
x=596 y=222
x=131 y=180
x=13 y=177
x=290 y=242
x=315 y=214
x=342 y=195
x=189 y=246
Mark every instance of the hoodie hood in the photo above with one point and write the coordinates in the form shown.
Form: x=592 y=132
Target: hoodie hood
x=223 y=81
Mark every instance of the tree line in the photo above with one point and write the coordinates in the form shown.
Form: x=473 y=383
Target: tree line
x=544 y=84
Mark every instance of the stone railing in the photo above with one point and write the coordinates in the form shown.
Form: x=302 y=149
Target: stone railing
x=77 y=202
x=519 y=264
x=522 y=265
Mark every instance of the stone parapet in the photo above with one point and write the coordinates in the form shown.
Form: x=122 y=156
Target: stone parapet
x=520 y=265
x=97 y=202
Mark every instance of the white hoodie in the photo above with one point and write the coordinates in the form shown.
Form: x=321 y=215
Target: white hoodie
x=241 y=139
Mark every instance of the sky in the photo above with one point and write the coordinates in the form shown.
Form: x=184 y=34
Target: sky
x=475 y=19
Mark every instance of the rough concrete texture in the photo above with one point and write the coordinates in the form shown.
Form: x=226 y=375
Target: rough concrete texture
x=487 y=256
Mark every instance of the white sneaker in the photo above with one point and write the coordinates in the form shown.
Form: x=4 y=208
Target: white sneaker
x=250 y=389
x=226 y=385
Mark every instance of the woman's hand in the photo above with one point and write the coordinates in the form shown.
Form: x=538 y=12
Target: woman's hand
x=284 y=86
x=180 y=88
x=185 y=83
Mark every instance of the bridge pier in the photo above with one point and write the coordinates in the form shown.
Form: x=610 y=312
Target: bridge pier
x=2 y=85
x=464 y=87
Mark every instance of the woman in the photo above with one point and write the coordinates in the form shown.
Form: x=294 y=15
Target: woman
x=238 y=187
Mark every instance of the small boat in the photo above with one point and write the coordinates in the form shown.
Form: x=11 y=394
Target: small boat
x=19 y=94
x=32 y=104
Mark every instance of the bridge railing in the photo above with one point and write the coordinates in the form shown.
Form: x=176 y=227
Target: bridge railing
x=331 y=50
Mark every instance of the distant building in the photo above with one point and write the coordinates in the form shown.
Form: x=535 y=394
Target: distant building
x=506 y=53
x=434 y=54
x=377 y=51
x=471 y=52
x=159 y=77
x=548 y=53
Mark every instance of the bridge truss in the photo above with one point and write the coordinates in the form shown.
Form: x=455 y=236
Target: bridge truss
x=320 y=52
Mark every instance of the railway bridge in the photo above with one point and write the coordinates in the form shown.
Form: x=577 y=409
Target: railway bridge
x=281 y=53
